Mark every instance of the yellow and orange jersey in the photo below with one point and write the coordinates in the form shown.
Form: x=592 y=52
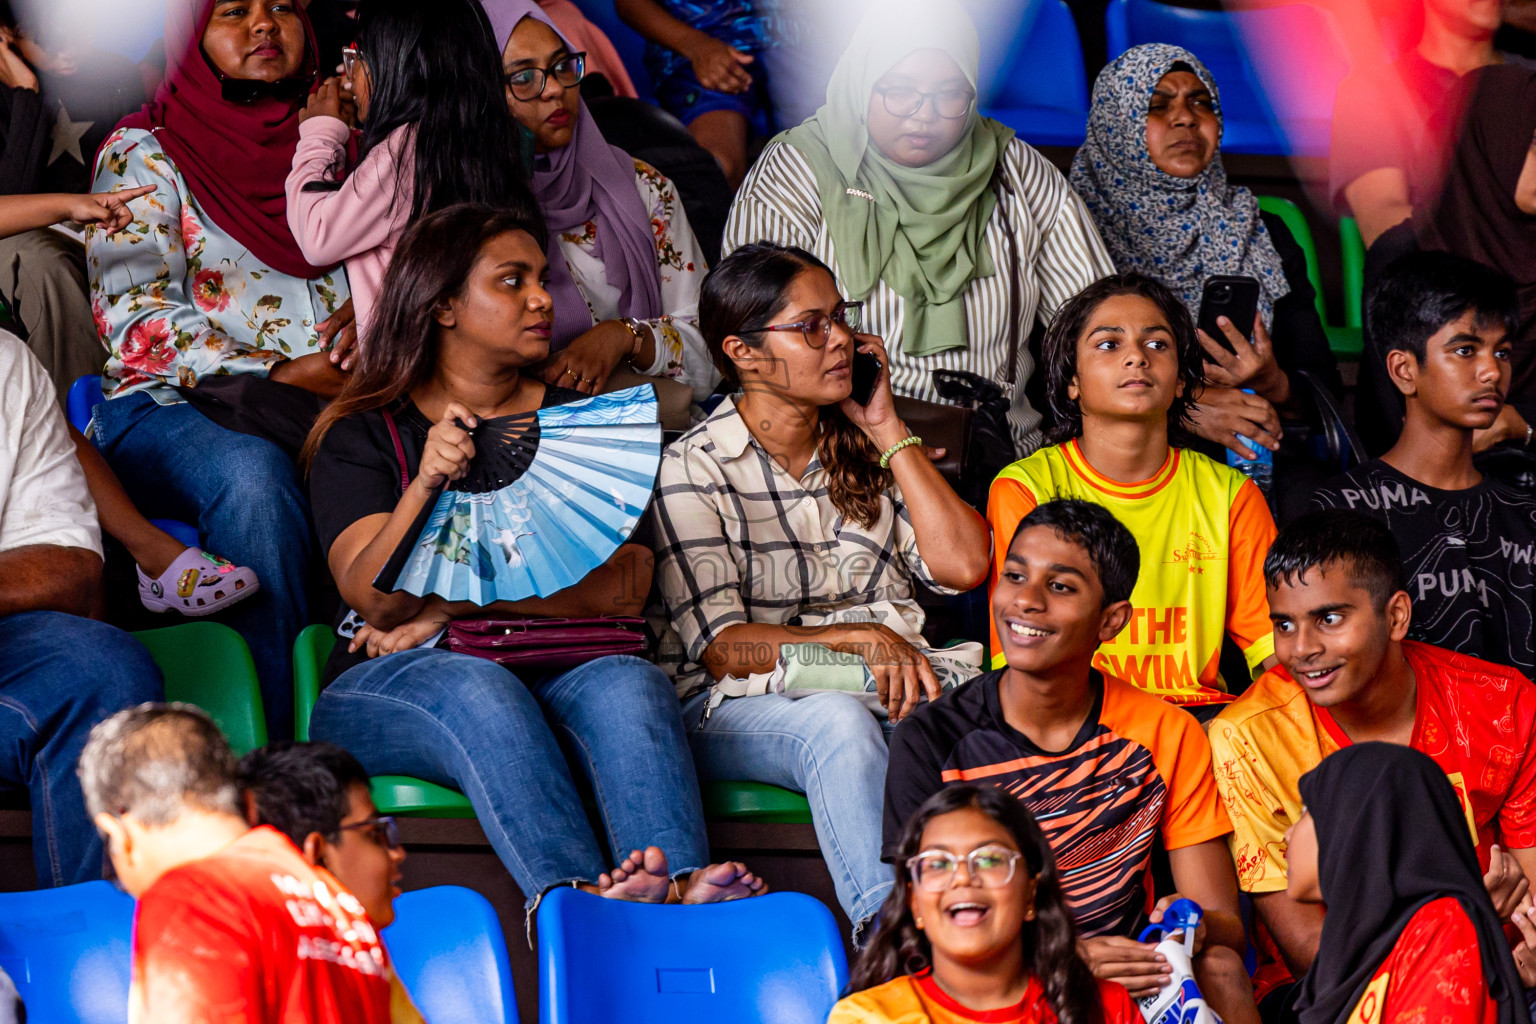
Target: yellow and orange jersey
x=1203 y=530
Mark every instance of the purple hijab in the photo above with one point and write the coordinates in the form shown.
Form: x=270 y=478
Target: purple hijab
x=588 y=180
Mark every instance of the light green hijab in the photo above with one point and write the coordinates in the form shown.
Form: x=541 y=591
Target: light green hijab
x=918 y=228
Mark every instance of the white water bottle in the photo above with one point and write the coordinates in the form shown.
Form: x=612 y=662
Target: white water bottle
x=1179 y=1001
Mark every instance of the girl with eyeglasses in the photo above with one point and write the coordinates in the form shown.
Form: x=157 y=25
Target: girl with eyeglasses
x=792 y=528
x=625 y=267
x=976 y=928
x=956 y=235
x=424 y=83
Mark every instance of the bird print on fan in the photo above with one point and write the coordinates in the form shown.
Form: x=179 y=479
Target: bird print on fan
x=549 y=496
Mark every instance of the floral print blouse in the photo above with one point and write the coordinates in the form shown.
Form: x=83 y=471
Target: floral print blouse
x=680 y=349
x=175 y=298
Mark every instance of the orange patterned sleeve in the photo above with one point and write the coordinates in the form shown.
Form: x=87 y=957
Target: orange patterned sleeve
x=1258 y=825
x=1251 y=532
x=1008 y=502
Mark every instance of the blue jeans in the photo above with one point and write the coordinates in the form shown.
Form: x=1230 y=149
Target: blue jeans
x=243 y=494
x=465 y=722
x=827 y=746
x=60 y=676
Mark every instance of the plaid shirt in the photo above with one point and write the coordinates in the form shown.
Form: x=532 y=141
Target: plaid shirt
x=740 y=540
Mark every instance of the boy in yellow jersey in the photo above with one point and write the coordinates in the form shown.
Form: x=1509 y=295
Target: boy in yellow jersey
x=1124 y=366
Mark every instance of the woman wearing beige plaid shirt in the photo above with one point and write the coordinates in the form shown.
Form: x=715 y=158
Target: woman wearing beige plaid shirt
x=791 y=528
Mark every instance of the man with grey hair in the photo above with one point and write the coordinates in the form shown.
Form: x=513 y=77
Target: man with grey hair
x=232 y=922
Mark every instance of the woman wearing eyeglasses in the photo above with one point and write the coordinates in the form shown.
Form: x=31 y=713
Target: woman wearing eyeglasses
x=976 y=928
x=792 y=528
x=624 y=266
x=954 y=233
x=423 y=81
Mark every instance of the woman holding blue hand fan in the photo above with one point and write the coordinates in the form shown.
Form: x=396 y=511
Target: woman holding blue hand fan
x=437 y=433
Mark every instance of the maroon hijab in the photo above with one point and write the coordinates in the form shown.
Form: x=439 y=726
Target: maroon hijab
x=234 y=156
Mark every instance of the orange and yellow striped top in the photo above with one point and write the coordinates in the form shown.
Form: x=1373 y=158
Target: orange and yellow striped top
x=1203 y=530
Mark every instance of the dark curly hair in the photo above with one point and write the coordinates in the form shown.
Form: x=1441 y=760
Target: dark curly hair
x=1058 y=351
x=1050 y=941
x=741 y=294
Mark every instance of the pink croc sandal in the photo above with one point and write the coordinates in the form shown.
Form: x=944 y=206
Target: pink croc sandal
x=197 y=583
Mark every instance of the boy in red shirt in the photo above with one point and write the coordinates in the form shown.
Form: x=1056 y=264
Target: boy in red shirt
x=232 y=923
x=1340 y=608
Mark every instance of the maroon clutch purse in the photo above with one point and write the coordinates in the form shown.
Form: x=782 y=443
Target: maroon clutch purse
x=547 y=644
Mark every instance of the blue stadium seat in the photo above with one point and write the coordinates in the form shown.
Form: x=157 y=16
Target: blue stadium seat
x=447 y=947
x=1281 y=103
x=627 y=41
x=67 y=950
x=1041 y=88
x=80 y=405
x=775 y=959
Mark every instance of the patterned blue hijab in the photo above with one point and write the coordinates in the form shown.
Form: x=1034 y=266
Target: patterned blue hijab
x=1178 y=230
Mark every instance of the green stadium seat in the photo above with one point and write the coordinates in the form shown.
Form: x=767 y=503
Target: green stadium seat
x=1344 y=341
x=392 y=794
x=1352 y=249
x=402 y=795
x=754 y=801
x=1296 y=221
x=208 y=664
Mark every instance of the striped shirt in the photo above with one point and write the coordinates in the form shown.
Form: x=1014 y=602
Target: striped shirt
x=740 y=540
x=1054 y=237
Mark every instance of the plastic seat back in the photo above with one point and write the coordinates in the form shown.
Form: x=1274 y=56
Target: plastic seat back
x=1296 y=58
x=1296 y=222
x=775 y=959
x=448 y=948
x=208 y=664
x=1040 y=90
x=310 y=650
x=68 y=950
x=1352 y=252
x=84 y=396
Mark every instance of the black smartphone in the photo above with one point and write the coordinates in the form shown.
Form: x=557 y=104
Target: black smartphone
x=866 y=370
x=1234 y=296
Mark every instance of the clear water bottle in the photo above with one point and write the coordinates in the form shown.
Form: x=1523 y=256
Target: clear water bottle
x=1260 y=470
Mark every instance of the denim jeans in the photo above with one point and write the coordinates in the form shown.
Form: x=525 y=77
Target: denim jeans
x=827 y=746
x=465 y=722
x=243 y=495
x=60 y=676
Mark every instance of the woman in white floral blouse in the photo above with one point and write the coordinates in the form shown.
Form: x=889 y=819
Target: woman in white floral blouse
x=208 y=281
x=625 y=269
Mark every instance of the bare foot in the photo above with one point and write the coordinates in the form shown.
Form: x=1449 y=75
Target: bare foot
x=155 y=551
x=641 y=878
x=721 y=882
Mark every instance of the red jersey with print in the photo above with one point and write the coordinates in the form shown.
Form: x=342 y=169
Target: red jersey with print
x=1434 y=974
x=256 y=935
x=1475 y=718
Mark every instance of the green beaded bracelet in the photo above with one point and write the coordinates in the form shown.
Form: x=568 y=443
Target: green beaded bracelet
x=906 y=442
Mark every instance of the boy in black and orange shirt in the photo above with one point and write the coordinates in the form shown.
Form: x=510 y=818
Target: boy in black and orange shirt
x=1105 y=768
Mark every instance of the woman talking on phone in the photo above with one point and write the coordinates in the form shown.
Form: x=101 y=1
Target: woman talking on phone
x=1150 y=173
x=791 y=528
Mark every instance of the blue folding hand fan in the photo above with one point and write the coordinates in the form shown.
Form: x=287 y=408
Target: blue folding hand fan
x=549 y=496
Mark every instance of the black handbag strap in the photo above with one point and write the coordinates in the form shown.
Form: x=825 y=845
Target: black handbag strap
x=394 y=435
